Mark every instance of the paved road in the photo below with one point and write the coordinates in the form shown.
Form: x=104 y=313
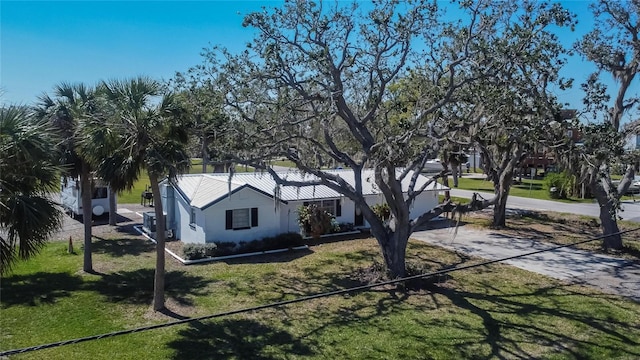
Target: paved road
x=631 y=209
x=612 y=275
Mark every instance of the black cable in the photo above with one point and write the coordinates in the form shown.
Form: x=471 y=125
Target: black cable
x=293 y=301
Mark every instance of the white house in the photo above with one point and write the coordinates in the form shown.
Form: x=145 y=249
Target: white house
x=204 y=208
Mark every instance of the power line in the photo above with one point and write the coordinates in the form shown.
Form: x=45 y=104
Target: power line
x=293 y=301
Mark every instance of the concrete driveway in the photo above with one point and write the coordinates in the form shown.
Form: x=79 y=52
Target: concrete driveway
x=611 y=275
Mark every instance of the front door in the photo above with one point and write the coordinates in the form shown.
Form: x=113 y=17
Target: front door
x=358 y=219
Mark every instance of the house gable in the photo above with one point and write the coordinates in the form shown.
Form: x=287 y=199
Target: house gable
x=237 y=190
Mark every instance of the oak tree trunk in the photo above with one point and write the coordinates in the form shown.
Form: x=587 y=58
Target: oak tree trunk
x=394 y=253
x=454 y=174
x=393 y=242
x=502 y=194
x=607 y=218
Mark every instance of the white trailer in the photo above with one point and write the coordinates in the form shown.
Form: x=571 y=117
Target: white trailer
x=71 y=197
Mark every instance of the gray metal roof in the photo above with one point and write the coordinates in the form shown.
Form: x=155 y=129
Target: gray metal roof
x=202 y=190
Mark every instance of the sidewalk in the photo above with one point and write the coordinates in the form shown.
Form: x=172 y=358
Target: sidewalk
x=609 y=274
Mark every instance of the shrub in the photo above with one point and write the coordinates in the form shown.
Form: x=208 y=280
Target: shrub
x=289 y=240
x=226 y=248
x=314 y=221
x=281 y=241
x=559 y=185
x=343 y=227
x=199 y=251
x=251 y=246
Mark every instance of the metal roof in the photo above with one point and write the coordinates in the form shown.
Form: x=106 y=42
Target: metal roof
x=202 y=190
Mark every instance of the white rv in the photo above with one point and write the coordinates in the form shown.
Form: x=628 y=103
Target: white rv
x=71 y=197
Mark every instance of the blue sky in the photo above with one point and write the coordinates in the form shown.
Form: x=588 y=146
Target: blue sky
x=45 y=42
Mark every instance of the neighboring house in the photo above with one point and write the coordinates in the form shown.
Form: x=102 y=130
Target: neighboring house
x=203 y=208
x=545 y=159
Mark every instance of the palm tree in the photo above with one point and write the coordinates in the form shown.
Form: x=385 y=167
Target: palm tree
x=28 y=173
x=71 y=104
x=154 y=137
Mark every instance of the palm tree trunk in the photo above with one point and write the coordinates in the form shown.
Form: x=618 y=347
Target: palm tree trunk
x=158 y=283
x=113 y=208
x=85 y=188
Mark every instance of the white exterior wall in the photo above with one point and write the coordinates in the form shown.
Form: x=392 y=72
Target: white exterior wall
x=210 y=223
x=186 y=232
x=423 y=203
x=289 y=212
x=289 y=217
x=213 y=219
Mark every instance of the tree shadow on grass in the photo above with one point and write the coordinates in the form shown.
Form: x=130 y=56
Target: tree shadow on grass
x=129 y=229
x=136 y=287
x=121 y=247
x=281 y=257
x=39 y=288
x=513 y=326
x=237 y=339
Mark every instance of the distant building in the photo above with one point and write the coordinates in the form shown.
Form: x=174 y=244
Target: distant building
x=546 y=160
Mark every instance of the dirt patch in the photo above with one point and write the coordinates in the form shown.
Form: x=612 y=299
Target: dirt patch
x=175 y=246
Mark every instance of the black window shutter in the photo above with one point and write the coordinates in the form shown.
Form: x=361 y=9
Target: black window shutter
x=229 y=219
x=338 y=208
x=254 y=217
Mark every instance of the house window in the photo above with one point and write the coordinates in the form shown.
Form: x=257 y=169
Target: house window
x=239 y=219
x=192 y=217
x=331 y=206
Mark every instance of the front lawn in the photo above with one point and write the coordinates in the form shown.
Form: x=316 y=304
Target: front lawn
x=487 y=312
x=528 y=188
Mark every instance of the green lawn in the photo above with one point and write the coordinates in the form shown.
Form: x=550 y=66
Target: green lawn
x=133 y=196
x=489 y=312
x=528 y=188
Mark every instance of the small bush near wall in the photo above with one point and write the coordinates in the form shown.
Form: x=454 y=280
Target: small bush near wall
x=199 y=251
x=342 y=227
x=216 y=249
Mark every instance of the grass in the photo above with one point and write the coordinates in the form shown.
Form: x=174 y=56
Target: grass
x=489 y=312
x=528 y=188
x=133 y=196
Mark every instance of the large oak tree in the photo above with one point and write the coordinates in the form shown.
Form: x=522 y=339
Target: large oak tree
x=614 y=47
x=314 y=86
